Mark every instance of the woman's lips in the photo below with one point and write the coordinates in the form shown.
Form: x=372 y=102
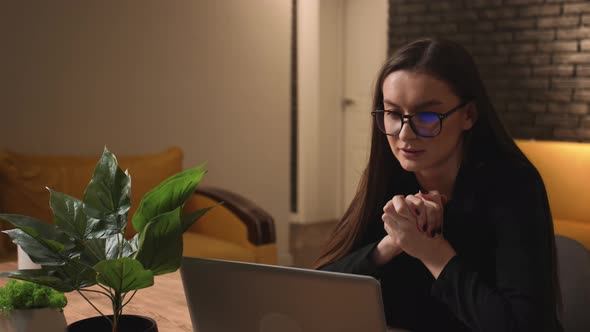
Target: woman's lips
x=411 y=153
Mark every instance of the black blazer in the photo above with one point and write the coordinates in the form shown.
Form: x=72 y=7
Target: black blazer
x=499 y=223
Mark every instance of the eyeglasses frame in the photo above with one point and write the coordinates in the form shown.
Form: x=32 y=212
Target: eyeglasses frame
x=441 y=117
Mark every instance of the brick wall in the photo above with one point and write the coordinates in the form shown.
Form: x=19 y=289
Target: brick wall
x=534 y=56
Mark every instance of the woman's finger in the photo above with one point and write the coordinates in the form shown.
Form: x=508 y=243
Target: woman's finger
x=389 y=210
x=390 y=231
x=434 y=217
x=417 y=207
x=435 y=196
x=440 y=201
x=400 y=206
x=388 y=220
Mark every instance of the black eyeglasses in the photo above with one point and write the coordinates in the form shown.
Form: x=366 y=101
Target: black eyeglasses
x=424 y=124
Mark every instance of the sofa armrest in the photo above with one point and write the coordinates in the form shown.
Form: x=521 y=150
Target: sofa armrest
x=235 y=215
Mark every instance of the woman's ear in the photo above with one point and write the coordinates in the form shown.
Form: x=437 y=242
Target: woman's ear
x=470 y=116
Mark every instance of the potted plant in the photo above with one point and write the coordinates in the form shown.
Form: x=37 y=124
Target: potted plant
x=86 y=245
x=28 y=307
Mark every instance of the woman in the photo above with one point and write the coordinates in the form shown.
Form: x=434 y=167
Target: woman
x=449 y=214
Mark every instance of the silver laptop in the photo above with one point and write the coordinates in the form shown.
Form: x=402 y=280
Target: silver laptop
x=225 y=296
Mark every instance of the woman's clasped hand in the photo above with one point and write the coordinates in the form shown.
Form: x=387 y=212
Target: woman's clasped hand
x=414 y=223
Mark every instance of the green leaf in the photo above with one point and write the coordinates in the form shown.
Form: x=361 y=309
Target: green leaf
x=123 y=274
x=40 y=277
x=111 y=225
x=108 y=195
x=189 y=219
x=167 y=196
x=66 y=278
x=70 y=216
x=112 y=246
x=39 y=253
x=94 y=251
x=74 y=273
x=115 y=244
x=130 y=247
x=160 y=243
x=51 y=242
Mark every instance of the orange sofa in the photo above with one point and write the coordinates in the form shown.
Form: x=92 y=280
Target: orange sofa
x=565 y=169
x=236 y=230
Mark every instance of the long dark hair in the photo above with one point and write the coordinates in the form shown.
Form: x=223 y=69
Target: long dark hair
x=487 y=139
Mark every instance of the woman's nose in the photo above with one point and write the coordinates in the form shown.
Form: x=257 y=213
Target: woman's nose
x=407 y=132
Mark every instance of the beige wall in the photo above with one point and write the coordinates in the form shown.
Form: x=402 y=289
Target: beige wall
x=139 y=76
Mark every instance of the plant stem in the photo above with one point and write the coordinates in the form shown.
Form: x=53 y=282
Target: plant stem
x=129 y=300
x=95 y=308
x=99 y=292
x=107 y=290
x=117 y=309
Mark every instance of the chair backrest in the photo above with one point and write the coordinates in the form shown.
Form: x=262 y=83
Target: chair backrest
x=564 y=168
x=574 y=279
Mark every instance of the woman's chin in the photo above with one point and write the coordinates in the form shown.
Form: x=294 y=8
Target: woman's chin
x=410 y=165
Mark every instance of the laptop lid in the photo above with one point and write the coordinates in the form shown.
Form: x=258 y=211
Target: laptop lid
x=226 y=296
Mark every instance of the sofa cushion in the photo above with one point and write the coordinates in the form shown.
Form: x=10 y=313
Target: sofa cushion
x=198 y=245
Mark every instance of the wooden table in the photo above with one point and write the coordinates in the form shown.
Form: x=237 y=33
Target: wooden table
x=164 y=302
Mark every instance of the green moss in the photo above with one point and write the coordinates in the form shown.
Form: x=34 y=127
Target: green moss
x=27 y=295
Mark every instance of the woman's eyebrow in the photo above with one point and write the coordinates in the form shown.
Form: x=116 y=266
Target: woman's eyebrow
x=420 y=105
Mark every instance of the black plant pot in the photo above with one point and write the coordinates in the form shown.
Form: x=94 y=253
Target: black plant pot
x=127 y=323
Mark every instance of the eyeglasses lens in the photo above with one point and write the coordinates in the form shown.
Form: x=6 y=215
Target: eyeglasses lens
x=425 y=124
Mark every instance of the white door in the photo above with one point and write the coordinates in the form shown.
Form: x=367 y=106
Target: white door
x=365 y=50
